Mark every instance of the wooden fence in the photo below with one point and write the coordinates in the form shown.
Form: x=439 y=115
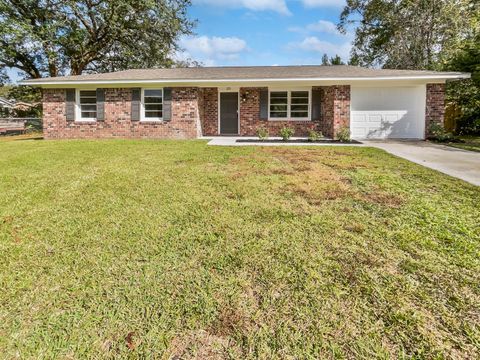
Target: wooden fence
x=15 y=125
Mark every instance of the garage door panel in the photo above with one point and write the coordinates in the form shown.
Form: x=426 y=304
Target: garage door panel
x=388 y=112
x=391 y=118
x=359 y=131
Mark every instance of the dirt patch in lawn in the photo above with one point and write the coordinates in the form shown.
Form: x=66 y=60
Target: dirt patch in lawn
x=385 y=199
x=307 y=177
x=201 y=344
x=311 y=175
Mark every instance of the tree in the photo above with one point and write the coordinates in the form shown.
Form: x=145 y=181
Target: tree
x=325 y=60
x=3 y=77
x=60 y=37
x=336 y=60
x=407 y=34
x=465 y=94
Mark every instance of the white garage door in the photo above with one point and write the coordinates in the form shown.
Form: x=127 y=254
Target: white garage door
x=388 y=112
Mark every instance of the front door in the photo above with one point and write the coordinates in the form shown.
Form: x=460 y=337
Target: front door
x=229 y=113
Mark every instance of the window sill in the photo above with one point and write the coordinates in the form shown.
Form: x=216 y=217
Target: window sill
x=153 y=121
x=289 y=119
x=85 y=122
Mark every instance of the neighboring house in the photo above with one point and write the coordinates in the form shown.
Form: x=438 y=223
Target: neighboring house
x=10 y=107
x=209 y=101
x=6 y=106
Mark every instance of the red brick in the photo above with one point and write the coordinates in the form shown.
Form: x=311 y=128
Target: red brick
x=435 y=106
x=194 y=112
x=185 y=123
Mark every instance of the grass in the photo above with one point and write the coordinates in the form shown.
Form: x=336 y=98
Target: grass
x=471 y=143
x=162 y=249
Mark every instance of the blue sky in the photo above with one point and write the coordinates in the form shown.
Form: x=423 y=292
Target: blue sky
x=262 y=32
x=265 y=32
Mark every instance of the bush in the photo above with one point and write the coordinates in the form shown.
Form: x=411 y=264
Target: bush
x=314 y=135
x=262 y=133
x=286 y=133
x=343 y=134
x=468 y=125
x=437 y=132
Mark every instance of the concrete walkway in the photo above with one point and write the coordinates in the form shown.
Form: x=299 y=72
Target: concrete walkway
x=458 y=163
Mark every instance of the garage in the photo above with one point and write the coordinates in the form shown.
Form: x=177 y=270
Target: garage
x=388 y=112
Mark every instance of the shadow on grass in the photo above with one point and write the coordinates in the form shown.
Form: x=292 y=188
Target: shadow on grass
x=22 y=137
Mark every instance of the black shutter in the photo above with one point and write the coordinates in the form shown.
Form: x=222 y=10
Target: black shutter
x=264 y=104
x=136 y=99
x=167 y=104
x=100 y=104
x=316 y=104
x=70 y=104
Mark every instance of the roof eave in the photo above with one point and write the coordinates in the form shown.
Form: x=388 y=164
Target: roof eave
x=40 y=82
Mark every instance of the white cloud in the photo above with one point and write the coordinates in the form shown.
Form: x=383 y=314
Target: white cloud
x=314 y=44
x=323 y=3
x=210 y=49
x=323 y=26
x=279 y=6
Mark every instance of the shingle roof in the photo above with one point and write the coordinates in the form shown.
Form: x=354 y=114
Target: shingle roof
x=247 y=73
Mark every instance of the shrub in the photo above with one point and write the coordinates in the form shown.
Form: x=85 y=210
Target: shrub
x=262 y=133
x=314 y=135
x=468 y=125
x=286 y=133
x=438 y=133
x=343 y=134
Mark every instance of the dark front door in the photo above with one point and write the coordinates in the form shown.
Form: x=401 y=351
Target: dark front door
x=229 y=113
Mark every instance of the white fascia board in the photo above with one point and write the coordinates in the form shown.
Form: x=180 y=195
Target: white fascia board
x=246 y=81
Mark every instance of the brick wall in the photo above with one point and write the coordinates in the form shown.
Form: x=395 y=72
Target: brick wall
x=194 y=112
x=118 y=124
x=435 y=105
x=336 y=109
x=250 y=117
x=209 y=111
x=326 y=126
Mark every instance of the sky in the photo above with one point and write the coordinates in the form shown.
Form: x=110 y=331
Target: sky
x=262 y=32
x=265 y=32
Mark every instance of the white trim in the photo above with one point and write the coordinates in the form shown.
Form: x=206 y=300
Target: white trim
x=289 y=104
x=78 y=109
x=238 y=108
x=236 y=80
x=142 y=107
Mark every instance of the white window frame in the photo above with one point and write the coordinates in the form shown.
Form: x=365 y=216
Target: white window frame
x=142 y=106
x=289 y=104
x=78 y=109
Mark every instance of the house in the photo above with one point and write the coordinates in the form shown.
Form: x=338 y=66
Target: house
x=10 y=107
x=5 y=106
x=209 y=101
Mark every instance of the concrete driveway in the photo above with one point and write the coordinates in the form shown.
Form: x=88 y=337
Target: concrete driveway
x=461 y=164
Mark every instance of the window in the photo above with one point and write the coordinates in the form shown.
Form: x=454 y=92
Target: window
x=87 y=104
x=289 y=105
x=299 y=104
x=152 y=101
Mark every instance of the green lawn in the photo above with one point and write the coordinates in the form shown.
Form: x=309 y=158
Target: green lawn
x=471 y=143
x=156 y=249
